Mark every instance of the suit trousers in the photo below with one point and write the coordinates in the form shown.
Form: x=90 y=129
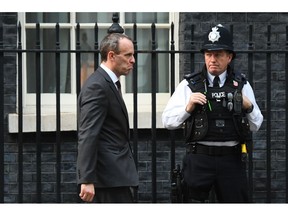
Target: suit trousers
x=114 y=195
x=225 y=174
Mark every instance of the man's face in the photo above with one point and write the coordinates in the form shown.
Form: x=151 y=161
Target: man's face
x=217 y=61
x=124 y=61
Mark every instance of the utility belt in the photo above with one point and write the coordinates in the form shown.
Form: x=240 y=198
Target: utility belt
x=197 y=148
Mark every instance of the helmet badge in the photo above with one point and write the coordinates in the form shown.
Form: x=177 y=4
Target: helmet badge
x=214 y=35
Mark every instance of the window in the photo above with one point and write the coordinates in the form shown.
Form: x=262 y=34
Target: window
x=67 y=23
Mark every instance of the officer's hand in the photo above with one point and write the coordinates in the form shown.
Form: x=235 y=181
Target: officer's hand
x=195 y=98
x=246 y=103
x=87 y=192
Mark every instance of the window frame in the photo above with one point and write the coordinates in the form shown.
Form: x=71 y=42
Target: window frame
x=69 y=101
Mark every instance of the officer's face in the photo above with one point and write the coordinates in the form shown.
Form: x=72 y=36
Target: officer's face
x=217 y=61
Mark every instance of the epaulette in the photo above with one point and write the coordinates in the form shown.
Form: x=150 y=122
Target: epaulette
x=193 y=77
x=240 y=77
x=195 y=81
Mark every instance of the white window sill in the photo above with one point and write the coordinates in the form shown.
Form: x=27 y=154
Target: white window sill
x=69 y=122
x=69 y=117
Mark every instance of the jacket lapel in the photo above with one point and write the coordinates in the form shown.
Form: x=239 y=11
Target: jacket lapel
x=115 y=91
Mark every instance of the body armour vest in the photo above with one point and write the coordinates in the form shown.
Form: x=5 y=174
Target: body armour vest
x=221 y=118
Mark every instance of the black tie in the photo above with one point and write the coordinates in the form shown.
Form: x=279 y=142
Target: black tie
x=216 y=82
x=119 y=87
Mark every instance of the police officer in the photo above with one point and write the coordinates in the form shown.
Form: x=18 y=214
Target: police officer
x=218 y=118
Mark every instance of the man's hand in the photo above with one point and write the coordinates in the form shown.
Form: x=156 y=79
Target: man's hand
x=87 y=192
x=195 y=98
x=246 y=103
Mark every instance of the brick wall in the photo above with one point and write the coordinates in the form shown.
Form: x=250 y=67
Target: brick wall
x=69 y=192
x=8 y=21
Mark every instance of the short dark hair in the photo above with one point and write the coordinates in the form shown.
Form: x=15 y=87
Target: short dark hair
x=111 y=43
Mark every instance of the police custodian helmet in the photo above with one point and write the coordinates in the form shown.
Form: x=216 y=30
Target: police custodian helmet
x=218 y=38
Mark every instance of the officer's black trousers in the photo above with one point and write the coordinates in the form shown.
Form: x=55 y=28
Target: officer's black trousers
x=226 y=174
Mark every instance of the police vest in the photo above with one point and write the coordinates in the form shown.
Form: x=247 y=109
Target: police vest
x=221 y=119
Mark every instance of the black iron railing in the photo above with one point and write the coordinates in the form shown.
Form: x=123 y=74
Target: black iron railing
x=38 y=51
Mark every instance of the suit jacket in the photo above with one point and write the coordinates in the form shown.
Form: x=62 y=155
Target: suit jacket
x=104 y=152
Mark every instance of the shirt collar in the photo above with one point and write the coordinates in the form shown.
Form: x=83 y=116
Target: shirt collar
x=110 y=73
x=222 y=78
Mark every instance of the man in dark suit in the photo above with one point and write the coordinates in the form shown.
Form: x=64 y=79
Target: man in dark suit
x=106 y=169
